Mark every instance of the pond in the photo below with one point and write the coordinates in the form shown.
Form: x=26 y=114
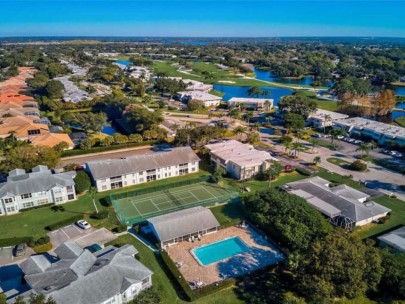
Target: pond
x=306 y=81
x=242 y=91
x=123 y=62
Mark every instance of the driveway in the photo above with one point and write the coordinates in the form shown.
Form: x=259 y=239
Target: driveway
x=7 y=255
x=82 y=237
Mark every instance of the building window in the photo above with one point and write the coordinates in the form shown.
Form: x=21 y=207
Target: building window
x=8 y=200
x=150 y=178
x=192 y=169
x=183 y=171
x=145 y=281
x=69 y=188
x=141 y=180
x=42 y=202
x=10 y=209
x=34 y=132
x=104 y=187
x=151 y=171
x=71 y=196
x=27 y=195
x=58 y=199
x=116 y=185
x=28 y=205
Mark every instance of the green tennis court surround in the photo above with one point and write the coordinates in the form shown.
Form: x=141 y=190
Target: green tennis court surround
x=134 y=207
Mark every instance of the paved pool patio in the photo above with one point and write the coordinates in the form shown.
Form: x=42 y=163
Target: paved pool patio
x=262 y=254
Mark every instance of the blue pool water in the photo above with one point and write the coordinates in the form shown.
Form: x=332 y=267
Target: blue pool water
x=109 y=130
x=221 y=250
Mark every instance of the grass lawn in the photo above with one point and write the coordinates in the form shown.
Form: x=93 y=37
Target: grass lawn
x=329 y=105
x=400 y=121
x=339 y=179
x=397 y=217
x=33 y=222
x=164 y=284
x=228 y=213
x=337 y=161
x=199 y=67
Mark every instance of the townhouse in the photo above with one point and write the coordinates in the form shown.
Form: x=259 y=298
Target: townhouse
x=40 y=187
x=137 y=169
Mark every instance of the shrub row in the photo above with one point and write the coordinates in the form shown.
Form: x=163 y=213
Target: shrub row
x=43 y=248
x=192 y=295
x=108 y=148
x=303 y=171
x=38 y=242
x=37 y=207
x=64 y=222
x=15 y=241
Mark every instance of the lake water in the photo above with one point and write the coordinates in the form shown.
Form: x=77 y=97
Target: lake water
x=242 y=91
x=307 y=81
x=269 y=76
x=123 y=62
x=109 y=130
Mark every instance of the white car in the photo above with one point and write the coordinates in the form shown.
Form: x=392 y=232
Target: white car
x=358 y=142
x=340 y=137
x=317 y=135
x=83 y=224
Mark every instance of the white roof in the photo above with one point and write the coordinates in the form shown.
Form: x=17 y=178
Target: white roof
x=320 y=114
x=249 y=100
x=199 y=95
x=243 y=155
x=373 y=126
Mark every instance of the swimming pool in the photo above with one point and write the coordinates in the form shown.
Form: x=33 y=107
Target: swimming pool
x=221 y=250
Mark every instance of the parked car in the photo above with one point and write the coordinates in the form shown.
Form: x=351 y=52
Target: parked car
x=317 y=135
x=358 y=142
x=346 y=139
x=385 y=151
x=20 y=249
x=397 y=154
x=340 y=137
x=83 y=224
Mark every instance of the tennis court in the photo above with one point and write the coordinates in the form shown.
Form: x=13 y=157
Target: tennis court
x=134 y=209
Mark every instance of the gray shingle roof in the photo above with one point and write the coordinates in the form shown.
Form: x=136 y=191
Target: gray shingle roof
x=395 y=239
x=184 y=222
x=330 y=203
x=41 y=179
x=90 y=278
x=68 y=250
x=137 y=163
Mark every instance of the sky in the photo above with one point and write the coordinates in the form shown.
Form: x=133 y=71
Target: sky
x=202 y=18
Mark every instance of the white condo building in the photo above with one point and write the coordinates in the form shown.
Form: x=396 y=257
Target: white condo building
x=40 y=187
x=133 y=170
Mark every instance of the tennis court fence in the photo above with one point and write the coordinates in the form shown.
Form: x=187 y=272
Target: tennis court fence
x=152 y=189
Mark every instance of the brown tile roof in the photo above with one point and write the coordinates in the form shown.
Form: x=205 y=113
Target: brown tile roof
x=52 y=139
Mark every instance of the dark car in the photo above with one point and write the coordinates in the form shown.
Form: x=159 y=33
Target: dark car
x=20 y=249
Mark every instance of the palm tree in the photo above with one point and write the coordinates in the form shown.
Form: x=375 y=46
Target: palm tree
x=267 y=105
x=314 y=143
x=334 y=135
x=365 y=148
x=248 y=117
x=326 y=118
x=297 y=147
x=317 y=160
x=239 y=130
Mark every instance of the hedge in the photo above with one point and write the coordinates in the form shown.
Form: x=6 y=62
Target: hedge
x=108 y=148
x=64 y=223
x=43 y=248
x=192 y=295
x=37 y=207
x=303 y=171
x=15 y=241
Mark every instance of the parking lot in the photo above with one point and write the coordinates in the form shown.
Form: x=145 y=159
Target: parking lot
x=82 y=237
x=7 y=255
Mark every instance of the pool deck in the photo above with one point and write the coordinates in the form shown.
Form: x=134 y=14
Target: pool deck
x=262 y=254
